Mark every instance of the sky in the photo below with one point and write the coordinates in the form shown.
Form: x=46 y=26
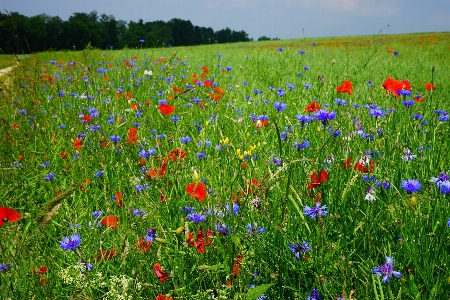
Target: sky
x=284 y=19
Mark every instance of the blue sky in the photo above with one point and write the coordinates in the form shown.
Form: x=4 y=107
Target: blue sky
x=273 y=18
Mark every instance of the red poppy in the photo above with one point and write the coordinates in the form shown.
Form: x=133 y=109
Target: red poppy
x=205 y=69
x=190 y=239
x=394 y=86
x=78 y=143
x=418 y=98
x=347 y=164
x=8 y=214
x=143 y=245
x=361 y=166
x=166 y=109
x=119 y=202
x=208 y=83
x=176 y=154
x=162 y=276
x=199 y=242
x=237 y=265
x=261 y=123
x=314 y=106
x=196 y=190
x=111 y=221
x=42 y=270
x=128 y=63
x=132 y=136
x=15 y=126
x=316 y=180
x=63 y=155
x=134 y=106
x=429 y=86
x=105 y=254
x=163 y=297
x=345 y=87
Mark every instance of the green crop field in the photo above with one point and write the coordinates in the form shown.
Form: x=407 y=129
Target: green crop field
x=300 y=169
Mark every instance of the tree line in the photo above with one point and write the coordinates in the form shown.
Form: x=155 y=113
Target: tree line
x=19 y=33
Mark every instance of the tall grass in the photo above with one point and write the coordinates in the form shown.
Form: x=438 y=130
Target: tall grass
x=61 y=100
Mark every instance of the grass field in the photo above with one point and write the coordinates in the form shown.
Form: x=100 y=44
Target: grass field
x=301 y=169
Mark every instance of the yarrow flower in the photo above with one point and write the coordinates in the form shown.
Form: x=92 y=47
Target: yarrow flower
x=411 y=185
x=386 y=270
x=70 y=242
x=316 y=211
x=298 y=249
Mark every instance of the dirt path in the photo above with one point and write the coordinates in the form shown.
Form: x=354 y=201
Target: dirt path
x=7 y=70
x=4 y=78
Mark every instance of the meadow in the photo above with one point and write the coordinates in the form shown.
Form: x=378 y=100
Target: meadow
x=300 y=169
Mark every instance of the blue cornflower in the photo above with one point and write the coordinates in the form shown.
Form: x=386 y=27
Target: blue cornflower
x=396 y=53
x=306 y=68
x=298 y=249
x=448 y=223
x=341 y=102
x=301 y=52
x=228 y=68
x=187 y=209
x=175 y=119
x=304 y=119
x=377 y=112
x=444 y=187
x=314 y=295
x=408 y=155
x=408 y=103
x=22 y=111
x=280 y=106
x=316 y=211
x=151 y=235
x=45 y=163
x=369 y=83
x=5 y=267
x=417 y=116
x=307 y=85
x=49 y=177
x=386 y=270
x=324 y=116
x=97 y=214
x=185 y=139
x=255 y=229
x=224 y=229
x=302 y=145
x=201 y=155
x=196 y=217
x=280 y=49
x=280 y=92
x=70 y=242
x=99 y=173
x=115 y=138
x=411 y=185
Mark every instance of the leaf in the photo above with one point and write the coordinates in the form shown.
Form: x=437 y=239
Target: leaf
x=211 y=268
x=257 y=291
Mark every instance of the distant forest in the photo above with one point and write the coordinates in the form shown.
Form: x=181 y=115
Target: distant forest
x=19 y=33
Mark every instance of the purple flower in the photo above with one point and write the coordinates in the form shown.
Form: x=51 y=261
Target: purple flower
x=70 y=242
x=280 y=106
x=185 y=139
x=408 y=156
x=324 y=116
x=5 y=267
x=115 y=138
x=316 y=211
x=408 y=103
x=314 y=295
x=151 y=235
x=386 y=270
x=298 y=249
x=99 y=173
x=280 y=92
x=49 y=177
x=255 y=229
x=377 y=112
x=196 y=217
x=302 y=145
x=97 y=214
x=341 y=102
x=448 y=223
x=411 y=185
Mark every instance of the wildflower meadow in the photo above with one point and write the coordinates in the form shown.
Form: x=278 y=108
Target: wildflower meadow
x=300 y=169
